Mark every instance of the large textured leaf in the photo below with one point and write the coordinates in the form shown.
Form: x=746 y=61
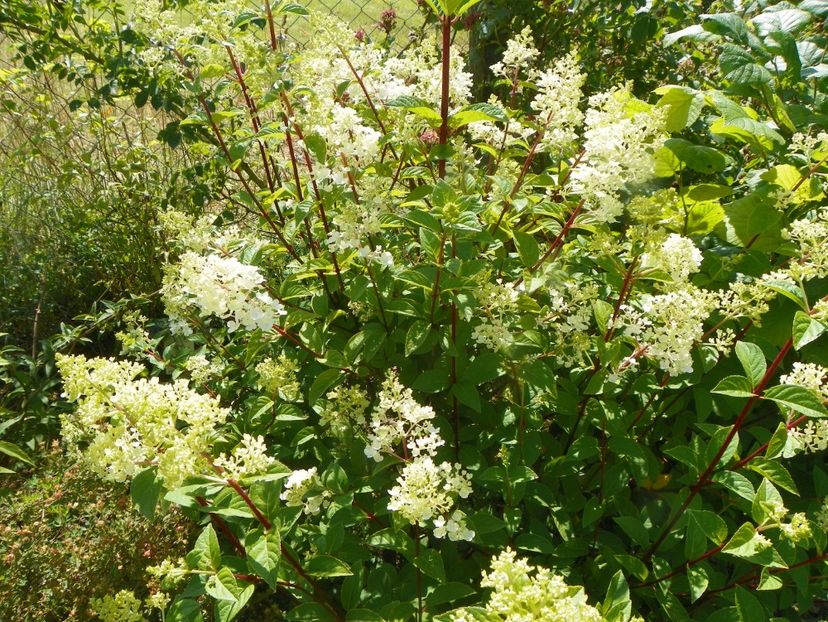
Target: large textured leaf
x=785 y=20
x=729 y=24
x=684 y=105
x=740 y=67
x=753 y=222
x=749 y=131
x=699 y=158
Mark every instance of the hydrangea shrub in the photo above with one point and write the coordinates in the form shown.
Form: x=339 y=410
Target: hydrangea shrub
x=539 y=340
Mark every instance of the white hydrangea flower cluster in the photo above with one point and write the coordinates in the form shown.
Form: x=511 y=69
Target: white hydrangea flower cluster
x=416 y=72
x=168 y=571
x=125 y=606
x=202 y=369
x=297 y=486
x=808 y=144
x=668 y=326
x=248 y=458
x=677 y=256
x=620 y=137
x=821 y=516
x=557 y=102
x=490 y=133
x=569 y=317
x=519 y=56
x=354 y=227
x=280 y=376
x=812 y=237
x=525 y=593
x=808 y=375
x=397 y=418
x=798 y=529
x=347 y=136
x=129 y=424
x=222 y=286
x=194 y=234
x=746 y=300
x=454 y=527
x=813 y=435
x=346 y=407
x=207 y=21
x=497 y=302
x=157 y=600
x=425 y=490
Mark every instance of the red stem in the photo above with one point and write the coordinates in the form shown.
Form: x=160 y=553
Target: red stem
x=740 y=419
x=444 y=93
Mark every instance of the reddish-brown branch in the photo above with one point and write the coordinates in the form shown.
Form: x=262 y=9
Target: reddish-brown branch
x=740 y=419
x=444 y=91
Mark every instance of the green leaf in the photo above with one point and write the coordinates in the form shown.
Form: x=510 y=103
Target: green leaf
x=527 y=248
x=788 y=290
x=753 y=222
x=684 y=105
x=736 y=483
x=208 y=545
x=145 y=490
x=416 y=335
x=734 y=386
x=749 y=131
x=696 y=32
x=420 y=107
x=753 y=361
x=775 y=472
x=327 y=566
x=742 y=543
x=617 y=606
x=12 y=450
x=431 y=563
x=699 y=158
x=322 y=383
x=798 y=399
x=730 y=24
x=317 y=146
x=226 y=610
x=806 y=329
x=788 y=20
x=263 y=554
x=184 y=610
x=448 y=593
x=711 y=524
x=476 y=113
x=697 y=578
x=464 y=6
x=739 y=67
x=223 y=586
x=485 y=367
x=310 y=612
x=293 y=7
x=748 y=607
x=769 y=581
x=767 y=497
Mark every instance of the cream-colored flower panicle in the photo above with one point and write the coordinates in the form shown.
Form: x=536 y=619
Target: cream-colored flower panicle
x=125 y=424
x=620 y=137
x=220 y=286
x=425 y=490
x=248 y=458
x=526 y=593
